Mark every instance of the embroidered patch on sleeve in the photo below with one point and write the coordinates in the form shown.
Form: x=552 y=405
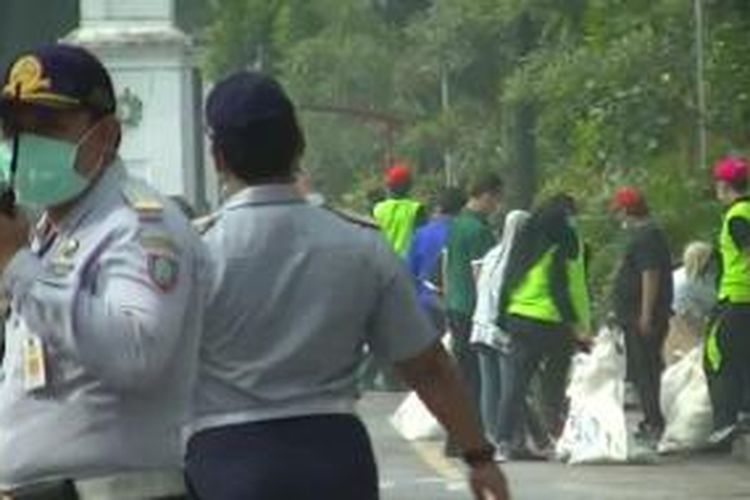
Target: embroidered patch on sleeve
x=163 y=270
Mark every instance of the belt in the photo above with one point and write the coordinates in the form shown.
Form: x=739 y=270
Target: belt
x=125 y=486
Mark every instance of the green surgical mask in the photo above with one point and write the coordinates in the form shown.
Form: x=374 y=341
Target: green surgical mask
x=46 y=175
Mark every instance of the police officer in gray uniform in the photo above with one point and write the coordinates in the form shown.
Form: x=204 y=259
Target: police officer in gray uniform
x=102 y=333
x=299 y=293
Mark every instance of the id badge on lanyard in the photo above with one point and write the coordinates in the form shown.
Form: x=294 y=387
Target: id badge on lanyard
x=34 y=363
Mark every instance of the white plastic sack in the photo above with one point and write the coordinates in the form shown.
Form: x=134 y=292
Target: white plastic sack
x=414 y=422
x=686 y=405
x=596 y=431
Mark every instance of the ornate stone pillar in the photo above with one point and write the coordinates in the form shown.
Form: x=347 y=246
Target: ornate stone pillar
x=159 y=99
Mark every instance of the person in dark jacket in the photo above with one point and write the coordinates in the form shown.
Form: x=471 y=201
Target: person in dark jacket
x=544 y=305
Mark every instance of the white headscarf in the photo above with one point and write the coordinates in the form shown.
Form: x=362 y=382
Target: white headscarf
x=485 y=330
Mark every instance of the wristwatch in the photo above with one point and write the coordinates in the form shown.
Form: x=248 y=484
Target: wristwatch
x=479 y=456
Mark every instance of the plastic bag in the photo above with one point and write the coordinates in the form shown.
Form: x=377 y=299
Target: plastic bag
x=686 y=405
x=414 y=422
x=596 y=430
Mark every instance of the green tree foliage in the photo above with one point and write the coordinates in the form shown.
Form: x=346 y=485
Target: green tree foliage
x=609 y=85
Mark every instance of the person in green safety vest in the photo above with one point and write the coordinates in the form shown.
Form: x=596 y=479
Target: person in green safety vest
x=642 y=303
x=544 y=305
x=399 y=215
x=727 y=356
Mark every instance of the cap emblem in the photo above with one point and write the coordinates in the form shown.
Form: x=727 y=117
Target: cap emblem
x=27 y=73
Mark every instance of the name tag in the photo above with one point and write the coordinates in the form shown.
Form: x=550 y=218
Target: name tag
x=34 y=369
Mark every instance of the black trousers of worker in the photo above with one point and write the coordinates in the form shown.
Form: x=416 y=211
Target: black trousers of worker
x=534 y=342
x=310 y=458
x=646 y=364
x=729 y=385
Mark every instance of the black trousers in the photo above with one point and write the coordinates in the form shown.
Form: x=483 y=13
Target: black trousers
x=553 y=402
x=646 y=364
x=729 y=383
x=534 y=342
x=309 y=458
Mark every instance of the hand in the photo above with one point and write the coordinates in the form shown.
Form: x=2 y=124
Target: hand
x=488 y=482
x=581 y=338
x=583 y=343
x=14 y=235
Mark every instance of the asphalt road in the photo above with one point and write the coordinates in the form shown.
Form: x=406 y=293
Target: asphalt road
x=418 y=471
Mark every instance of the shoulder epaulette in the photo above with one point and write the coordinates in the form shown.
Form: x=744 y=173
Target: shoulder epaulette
x=353 y=217
x=140 y=199
x=205 y=223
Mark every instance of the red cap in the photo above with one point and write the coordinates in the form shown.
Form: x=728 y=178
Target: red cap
x=731 y=169
x=397 y=176
x=630 y=200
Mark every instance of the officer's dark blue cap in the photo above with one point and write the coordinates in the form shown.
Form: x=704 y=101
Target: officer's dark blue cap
x=245 y=98
x=59 y=76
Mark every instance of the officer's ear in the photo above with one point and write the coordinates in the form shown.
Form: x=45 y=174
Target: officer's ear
x=108 y=134
x=97 y=148
x=113 y=137
x=220 y=161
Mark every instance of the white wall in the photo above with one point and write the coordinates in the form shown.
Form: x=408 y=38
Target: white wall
x=113 y=11
x=161 y=148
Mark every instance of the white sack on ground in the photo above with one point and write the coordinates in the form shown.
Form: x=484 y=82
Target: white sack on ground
x=686 y=405
x=596 y=431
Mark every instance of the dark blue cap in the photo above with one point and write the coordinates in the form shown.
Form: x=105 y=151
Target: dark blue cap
x=59 y=76
x=245 y=98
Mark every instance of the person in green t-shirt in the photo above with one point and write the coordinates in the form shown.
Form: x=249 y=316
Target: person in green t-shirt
x=470 y=238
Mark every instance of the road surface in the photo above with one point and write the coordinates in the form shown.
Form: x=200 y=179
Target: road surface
x=418 y=471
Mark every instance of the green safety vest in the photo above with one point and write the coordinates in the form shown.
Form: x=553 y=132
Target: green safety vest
x=533 y=298
x=396 y=218
x=734 y=286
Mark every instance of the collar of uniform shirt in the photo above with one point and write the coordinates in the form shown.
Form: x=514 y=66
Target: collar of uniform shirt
x=267 y=194
x=43 y=236
x=111 y=176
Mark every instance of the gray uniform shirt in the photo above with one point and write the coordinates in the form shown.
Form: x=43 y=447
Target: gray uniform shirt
x=116 y=299
x=299 y=293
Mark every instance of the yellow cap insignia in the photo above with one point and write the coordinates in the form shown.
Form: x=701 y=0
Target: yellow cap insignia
x=28 y=74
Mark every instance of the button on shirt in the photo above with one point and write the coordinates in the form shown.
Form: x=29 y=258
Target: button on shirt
x=115 y=295
x=299 y=293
